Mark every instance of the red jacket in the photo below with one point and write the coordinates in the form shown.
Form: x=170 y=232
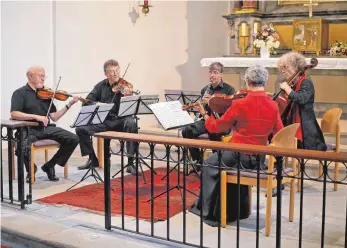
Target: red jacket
x=252 y=119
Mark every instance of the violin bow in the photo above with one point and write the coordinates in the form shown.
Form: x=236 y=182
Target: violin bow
x=50 y=105
x=114 y=95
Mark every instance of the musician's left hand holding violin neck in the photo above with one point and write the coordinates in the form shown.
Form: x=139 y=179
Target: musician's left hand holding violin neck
x=74 y=100
x=200 y=108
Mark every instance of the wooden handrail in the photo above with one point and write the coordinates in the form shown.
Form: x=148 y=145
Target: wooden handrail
x=215 y=145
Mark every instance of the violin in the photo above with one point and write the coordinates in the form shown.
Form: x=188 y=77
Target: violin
x=122 y=83
x=219 y=103
x=281 y=97
x=47 y=93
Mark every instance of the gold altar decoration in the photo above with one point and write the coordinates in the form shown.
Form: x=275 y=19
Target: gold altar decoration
x=243 y=37
x=310 y=35
x=287 y=2
x=256 y=29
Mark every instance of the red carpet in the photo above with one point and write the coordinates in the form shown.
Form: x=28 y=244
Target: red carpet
x=92 y=196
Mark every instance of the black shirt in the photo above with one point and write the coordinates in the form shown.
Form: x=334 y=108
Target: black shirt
x=26 y=101
x=222 y=88
x=102 y=92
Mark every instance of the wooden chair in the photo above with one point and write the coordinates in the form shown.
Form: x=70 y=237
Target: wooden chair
x=330 y=125
x=284 y=138
x=45 y=144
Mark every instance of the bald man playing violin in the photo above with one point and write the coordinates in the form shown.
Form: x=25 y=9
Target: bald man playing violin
x=27 y=106
x=109 y=90
x=216 y=86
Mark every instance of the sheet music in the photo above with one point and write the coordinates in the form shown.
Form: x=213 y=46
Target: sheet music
x=103 y=111
x=145 y=101
x=128 y=105
x=170 y=114
x=84 y=116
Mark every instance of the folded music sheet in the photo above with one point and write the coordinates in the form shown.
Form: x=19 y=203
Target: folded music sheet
x=170 y=115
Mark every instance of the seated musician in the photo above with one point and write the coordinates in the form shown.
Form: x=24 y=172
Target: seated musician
x=216 y=85
x=252 y=119
x=301 y=111
x=27 y=106
x=106 y=91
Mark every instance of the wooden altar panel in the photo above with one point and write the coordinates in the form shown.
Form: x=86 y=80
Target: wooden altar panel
x=232 y=79
x=332 y=89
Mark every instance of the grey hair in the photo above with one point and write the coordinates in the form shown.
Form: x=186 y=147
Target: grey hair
x=256 y=75
x=216 y=66
x=295 y=59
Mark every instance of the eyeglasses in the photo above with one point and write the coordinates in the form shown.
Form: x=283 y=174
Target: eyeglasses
x=113 y=71
x=41 y=75
x=214 y=72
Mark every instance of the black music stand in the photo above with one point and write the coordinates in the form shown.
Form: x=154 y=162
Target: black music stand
x=171 y=116
x=185 y=97
x=91 y=115
x=133 y=106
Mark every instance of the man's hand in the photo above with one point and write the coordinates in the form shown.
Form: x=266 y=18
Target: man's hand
x=116 y=88
x=42 y=119
x=127 y=91
x=74 y=100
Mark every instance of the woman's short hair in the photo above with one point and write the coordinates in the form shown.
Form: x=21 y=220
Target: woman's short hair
x=256 y=75
x=110 y=62
x=295 y=59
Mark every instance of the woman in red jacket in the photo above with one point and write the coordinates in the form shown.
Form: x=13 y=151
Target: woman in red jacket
x=252 y=119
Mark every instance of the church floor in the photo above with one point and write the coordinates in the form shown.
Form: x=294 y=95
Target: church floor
x=64 y=226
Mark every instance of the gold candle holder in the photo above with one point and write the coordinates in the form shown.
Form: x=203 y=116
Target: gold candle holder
x=243 y=37
x=256 y=29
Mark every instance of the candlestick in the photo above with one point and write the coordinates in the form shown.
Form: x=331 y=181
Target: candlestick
x=244 y=30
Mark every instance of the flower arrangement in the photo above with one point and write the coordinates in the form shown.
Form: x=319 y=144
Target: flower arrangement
x=267 y=37
x=338 y=49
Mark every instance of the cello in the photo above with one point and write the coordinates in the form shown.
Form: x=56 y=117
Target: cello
x=281 y=98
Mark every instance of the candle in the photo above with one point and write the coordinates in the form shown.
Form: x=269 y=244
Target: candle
x=256 y=27
x=244 y=29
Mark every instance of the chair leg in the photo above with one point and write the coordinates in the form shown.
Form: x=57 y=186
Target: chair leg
x=250 y=199
x=100 y=144
x=291 y=200
x=336 y=175
x=13 y=166
x=66 y=170
x=320 y=169
x=299 y=180
x=32 y=164
x=268 y=211
x=46 y=155
x=223 y=198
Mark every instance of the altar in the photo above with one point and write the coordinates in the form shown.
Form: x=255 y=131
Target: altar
x=329 y=77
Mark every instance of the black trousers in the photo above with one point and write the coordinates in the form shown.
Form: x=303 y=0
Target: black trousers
x=194 y=131
x=67 y=140
x=126 y=124
x=209 y=199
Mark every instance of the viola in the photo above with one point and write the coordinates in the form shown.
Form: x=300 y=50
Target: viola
x=47 y=93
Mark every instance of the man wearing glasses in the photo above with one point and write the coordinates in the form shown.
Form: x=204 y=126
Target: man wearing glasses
x=27 y=106
x=108 y=91
x=216 y=85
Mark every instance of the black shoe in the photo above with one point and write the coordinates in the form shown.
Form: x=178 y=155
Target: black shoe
x=88 y=164
x=274 y=191
x=50 y=173
x=28 y=177
x=132 y=169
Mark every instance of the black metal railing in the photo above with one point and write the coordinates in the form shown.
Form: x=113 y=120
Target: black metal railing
x=178 y=144
x=16 y=133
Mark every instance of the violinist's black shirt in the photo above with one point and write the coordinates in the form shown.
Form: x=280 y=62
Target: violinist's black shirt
x=102 y=92
x=26 y=101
